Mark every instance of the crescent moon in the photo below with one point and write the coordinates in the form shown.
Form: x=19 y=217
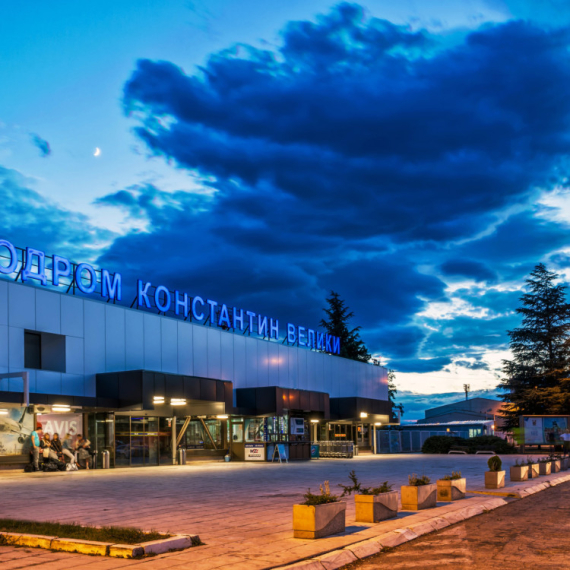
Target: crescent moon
x=97 y=152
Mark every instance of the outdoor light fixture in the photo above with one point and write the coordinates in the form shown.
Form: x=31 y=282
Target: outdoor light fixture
x=363 y=415
x=3 y=412
x=158 y=400
x=60 y=408
x=222 y=417
x=177 y=402
x=314 y=421
x=378 y=424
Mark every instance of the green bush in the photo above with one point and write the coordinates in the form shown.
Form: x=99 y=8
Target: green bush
x=490 y=442
x=324 y=497
x=495 y=463
x=453 y=477
x=418 y=481
x=442 y=443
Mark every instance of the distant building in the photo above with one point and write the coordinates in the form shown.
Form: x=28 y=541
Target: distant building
x=472 y=410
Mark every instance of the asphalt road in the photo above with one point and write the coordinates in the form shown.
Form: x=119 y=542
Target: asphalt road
x=528 y=533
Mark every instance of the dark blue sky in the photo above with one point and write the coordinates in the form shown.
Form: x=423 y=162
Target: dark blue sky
x=414 y=162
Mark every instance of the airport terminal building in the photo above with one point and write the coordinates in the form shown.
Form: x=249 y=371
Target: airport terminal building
x=168 y=371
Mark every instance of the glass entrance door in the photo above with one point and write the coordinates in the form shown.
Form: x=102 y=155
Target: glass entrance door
x=136 y=441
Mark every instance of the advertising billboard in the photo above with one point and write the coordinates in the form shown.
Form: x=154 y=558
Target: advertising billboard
x=16 y=425
x=546 y=430
x=61 y=424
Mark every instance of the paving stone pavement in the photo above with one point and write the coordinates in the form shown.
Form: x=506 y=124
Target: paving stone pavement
x=242 y=511
x=530 y=533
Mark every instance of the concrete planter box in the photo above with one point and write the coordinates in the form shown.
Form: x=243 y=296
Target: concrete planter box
x=545 y=468
x=376 y=508
x=556 y=466
x=519 y=473
x=533 y=471
x=452 y=490
x=319 y=520
x=416 y=498
x=495 y=479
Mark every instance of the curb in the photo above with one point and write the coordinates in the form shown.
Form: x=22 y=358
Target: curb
x=366 y=548
x=176 y=542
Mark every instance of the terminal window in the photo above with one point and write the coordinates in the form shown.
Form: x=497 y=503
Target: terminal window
x=44 y=351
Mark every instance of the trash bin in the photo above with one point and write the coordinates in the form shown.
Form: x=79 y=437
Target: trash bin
x=105 y=459
x=356 y=450
x=315 y=450
x=181 y=456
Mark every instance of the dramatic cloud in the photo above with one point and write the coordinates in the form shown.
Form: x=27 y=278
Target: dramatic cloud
x=398 y=168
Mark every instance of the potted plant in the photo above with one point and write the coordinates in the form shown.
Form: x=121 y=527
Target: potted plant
x=372 y=504
x=544 y=466
x=495 y=477
x=419 y=493
x=320 y=515
x=533 y=470
x=556 y=463
x=451 y=487
x=519 y=472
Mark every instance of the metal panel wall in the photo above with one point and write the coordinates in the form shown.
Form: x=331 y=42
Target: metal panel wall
x=103 y=338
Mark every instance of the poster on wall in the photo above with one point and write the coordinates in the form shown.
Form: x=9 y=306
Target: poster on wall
x=533 y=430
x=61 y=424
x=553 y=429
x=297 y=426
x=16 y=425
x=254 y=452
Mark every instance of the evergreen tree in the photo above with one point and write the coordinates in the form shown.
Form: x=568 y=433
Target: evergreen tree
x=392 y=391
x=536 y=380
x=351 y=345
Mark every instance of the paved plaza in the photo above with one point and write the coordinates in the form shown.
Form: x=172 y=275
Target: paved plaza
x=532 y=533
x=241 y=511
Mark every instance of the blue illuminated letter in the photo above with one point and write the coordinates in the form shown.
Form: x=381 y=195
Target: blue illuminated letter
x=163 y=307
x=178 y=303
x=195 y=314
x=224 y=317
x=273 y=329
x=336 y=345
x=291 y=336
x=142 y=294
x=320 y=341
x=213 y=305
x=311 y=341
x=261 y=325
x=11 y=267
x=238 y=319
x=93 y=276
x=58 y=271
x=27 y=272
x=302 y=336
x=329 y=338
x=108 y=289
x=251 y=316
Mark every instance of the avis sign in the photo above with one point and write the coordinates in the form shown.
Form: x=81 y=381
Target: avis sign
x=61 y=424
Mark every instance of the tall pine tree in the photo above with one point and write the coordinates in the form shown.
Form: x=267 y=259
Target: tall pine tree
x=392 y=391
x=351 y=345
x=536 y=380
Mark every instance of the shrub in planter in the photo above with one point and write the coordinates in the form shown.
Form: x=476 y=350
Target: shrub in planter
x=533 y=470
x=418 y=494
x=544 y=466
x=320 y=515
x=519 y=472
x=451 y=487
x=556 y=463
x=495 y=477
x=372 y=504
x=441 y=443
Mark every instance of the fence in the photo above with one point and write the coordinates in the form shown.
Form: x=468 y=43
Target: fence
x=395 y=441
x=335 y=448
